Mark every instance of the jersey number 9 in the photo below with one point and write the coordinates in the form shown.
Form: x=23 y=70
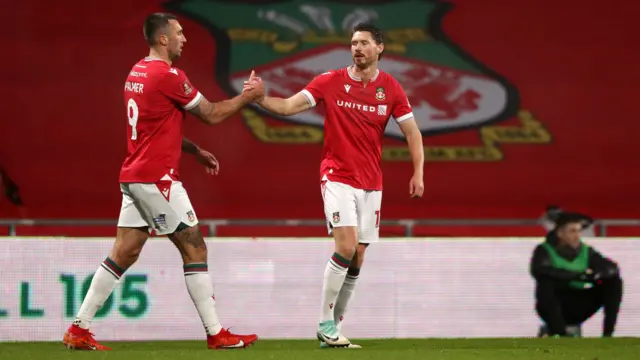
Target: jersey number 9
x=132 y=114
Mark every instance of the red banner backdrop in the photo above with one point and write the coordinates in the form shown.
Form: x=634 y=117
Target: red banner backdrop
x=564 y=134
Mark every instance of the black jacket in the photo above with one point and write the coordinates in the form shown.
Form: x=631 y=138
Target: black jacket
x=541 y=267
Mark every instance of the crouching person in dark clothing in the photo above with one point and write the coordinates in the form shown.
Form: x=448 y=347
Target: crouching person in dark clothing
x=573 y=281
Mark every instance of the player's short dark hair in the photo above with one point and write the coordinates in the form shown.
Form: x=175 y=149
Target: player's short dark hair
x=376 y=33
x=153 y=24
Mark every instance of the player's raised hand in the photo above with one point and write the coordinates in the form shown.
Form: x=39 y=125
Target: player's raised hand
x=254 y=86
x=247 y=83
x=211 y=164
x=416 y=186
x=250 y=84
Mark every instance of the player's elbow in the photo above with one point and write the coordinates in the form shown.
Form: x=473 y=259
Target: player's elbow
x=279 y=107
x=287 y=111
x=411 y=131
x=413 y=134
x=279 y=111
x=292 y=108
x=214 y=119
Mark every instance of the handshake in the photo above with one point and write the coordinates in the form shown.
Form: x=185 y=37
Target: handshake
x=254 y=87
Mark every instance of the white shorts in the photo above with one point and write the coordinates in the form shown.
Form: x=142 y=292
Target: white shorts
x=160 y=206
x=347 y=206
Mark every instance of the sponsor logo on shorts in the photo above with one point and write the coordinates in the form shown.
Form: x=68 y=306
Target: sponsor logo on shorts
x=191 y=216
x=336 y=217
x=160 y=221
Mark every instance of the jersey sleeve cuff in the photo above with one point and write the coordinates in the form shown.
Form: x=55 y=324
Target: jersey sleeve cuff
x=196 y=100
x=404 y=117
x=309 y=97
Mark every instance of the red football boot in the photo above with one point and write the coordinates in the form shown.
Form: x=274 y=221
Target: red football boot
x=226 y=340
x=77 y=338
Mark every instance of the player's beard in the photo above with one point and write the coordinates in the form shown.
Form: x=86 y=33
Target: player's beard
x=175 y=55
x=362 y=65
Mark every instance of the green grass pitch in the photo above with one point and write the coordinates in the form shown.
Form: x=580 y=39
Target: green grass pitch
x=409 y=349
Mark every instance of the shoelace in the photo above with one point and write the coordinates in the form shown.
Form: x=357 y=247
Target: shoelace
x=226 y=331
x=88 y=336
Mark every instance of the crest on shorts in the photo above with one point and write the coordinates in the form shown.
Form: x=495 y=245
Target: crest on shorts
x=191 y=216
x=160 y=221
x=336 y=217
x=380 y=94
x=288 y=43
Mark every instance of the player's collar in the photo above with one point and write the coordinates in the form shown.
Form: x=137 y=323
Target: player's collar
x=356 y=78
x=149 y=58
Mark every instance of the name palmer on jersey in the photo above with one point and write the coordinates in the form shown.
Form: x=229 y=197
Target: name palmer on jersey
x=134 y=87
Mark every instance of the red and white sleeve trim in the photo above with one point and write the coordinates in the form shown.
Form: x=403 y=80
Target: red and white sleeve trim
x=309 y=97
x=196 y=100
x=404 y=117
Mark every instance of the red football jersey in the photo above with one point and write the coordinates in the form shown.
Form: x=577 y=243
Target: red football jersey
x=356 y=117
x=156 y=97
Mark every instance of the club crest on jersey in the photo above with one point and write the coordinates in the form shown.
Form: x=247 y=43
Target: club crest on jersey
x=335 y=217
x=448 y=90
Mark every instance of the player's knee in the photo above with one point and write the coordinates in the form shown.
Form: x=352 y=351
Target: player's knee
x=197 y=254
x=358 y=257
x=191 y=244
x=128 y=246
x=125 y=256
x=360 y=249
x=126 y=261
x=345 y=249
x=346 y=241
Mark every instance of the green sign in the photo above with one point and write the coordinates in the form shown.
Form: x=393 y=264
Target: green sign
x=130 y=299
